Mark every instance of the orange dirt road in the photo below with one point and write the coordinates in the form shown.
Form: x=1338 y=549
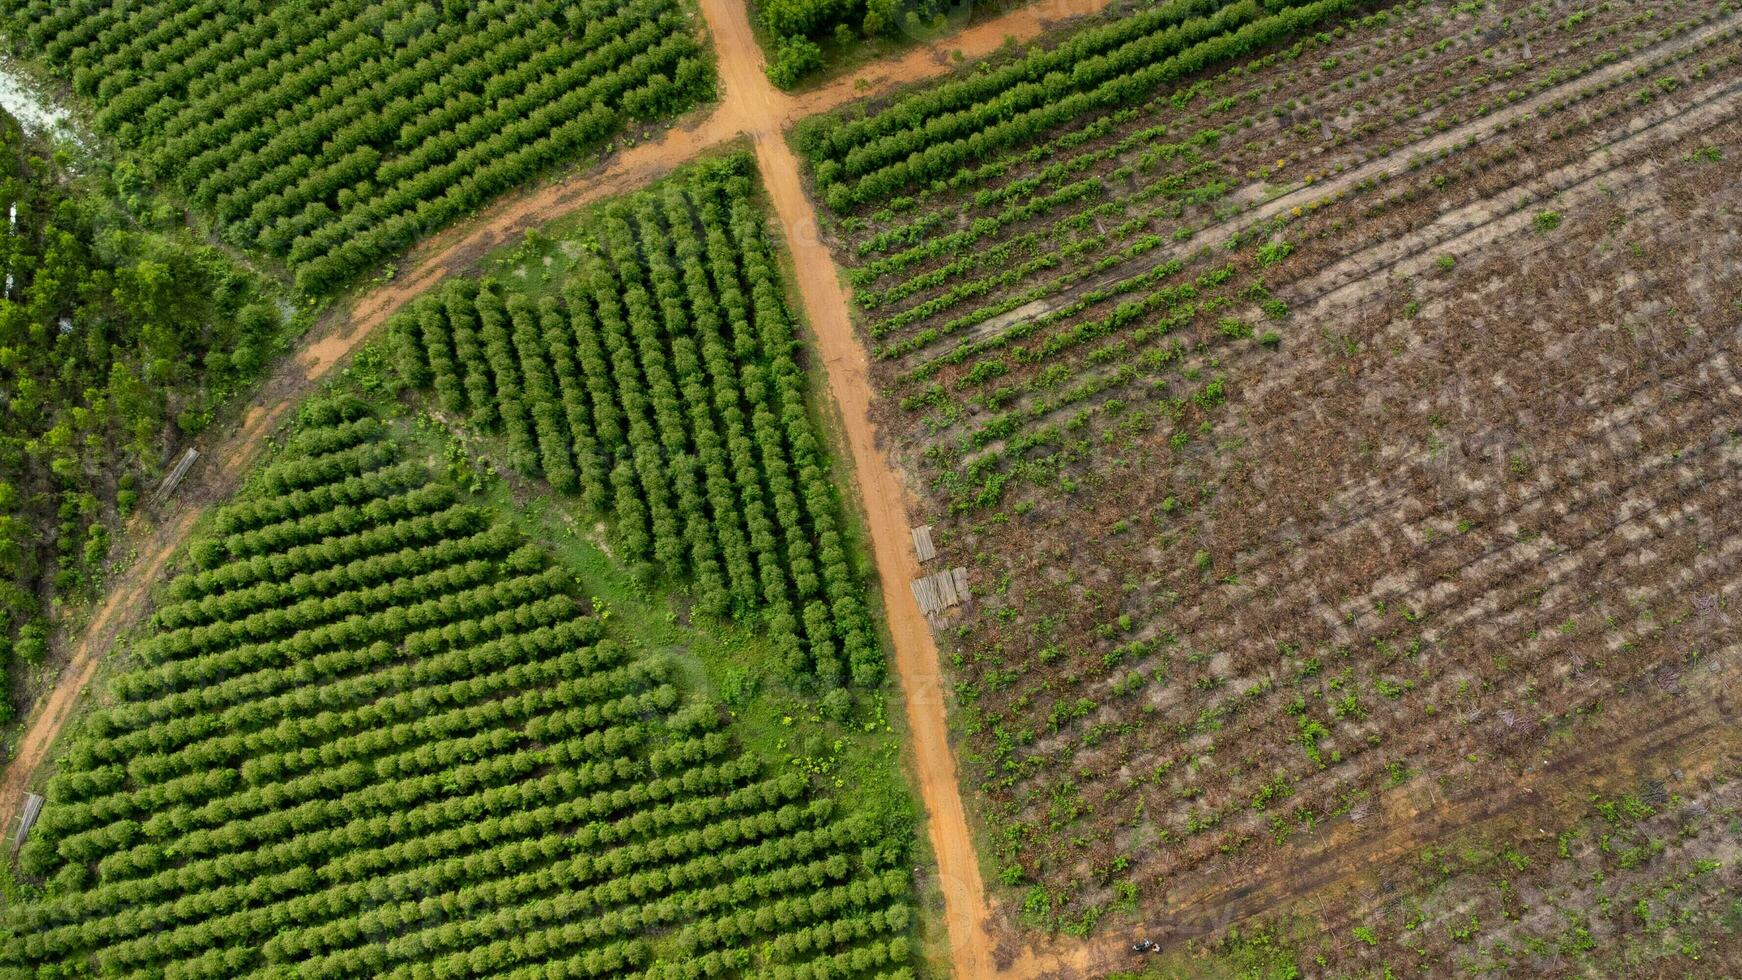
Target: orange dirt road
x=750 y=107
x=213 y=478
x=916 y=664
x=916 y=655
x=122 y=604
x=761 y=110
x=1021 y=25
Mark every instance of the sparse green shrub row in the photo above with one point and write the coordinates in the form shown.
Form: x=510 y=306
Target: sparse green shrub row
x=933 y=135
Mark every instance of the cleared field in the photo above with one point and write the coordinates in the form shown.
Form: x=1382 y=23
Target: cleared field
x=1332 y=402
x=659 y=381
x=334 y=137
x=375 y=732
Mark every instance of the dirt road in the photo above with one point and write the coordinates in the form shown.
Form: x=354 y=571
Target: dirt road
x=978 y=40
x=750 y=107
x=749 y=95
x=121 y=607
x=212 y=479
x=916 y=656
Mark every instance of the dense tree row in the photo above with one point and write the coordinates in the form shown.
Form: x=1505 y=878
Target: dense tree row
x=334 y=136
x=116 y=341
x=794 y=28
x=446 y=768
x=663 y=387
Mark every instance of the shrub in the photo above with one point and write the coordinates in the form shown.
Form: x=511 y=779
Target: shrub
x=794 y=58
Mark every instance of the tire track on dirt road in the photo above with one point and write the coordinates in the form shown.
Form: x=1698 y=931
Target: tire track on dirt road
x=883 y=497
x=750 y=107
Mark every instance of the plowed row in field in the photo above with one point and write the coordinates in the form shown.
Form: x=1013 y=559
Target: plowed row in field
x=1234 y=291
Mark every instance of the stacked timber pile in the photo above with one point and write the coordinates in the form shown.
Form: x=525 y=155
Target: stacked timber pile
x=938 y=592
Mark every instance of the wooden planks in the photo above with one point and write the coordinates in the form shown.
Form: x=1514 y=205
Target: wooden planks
x=922 y=545
x=938 y=592
x=26 y=820
x=174 y=478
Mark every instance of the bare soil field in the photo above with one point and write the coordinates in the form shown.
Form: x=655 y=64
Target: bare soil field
x=1343 y=450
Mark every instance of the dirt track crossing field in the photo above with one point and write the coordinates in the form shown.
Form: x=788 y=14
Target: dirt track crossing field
x=1421 y=458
